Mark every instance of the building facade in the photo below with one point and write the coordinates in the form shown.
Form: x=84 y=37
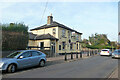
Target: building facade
x=58 y=37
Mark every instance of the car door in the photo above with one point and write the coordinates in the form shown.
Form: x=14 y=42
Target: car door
x=36 y=56
x=25 y=61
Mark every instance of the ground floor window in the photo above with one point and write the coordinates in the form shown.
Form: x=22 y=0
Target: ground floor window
x=63 y=45
x=41 y=45
x=71 y=46
x=59 y=47
x=77 y=46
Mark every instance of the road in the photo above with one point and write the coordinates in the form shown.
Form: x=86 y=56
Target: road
x=93 y=67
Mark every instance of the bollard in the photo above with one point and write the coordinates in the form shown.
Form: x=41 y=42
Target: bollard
x=87 y=53
x=65 y=56
x=90 y=53
x=81 y=54
x=71 y=55
x=93 y=52
x=96 y=52
x=76 y=55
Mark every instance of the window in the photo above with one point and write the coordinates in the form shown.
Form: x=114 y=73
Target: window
x=59 y=47
x=34 y=53
x=63 y=33
x=77 y=36
x=26 y=54
x=77 y=46
x=63 y=45
x=41 y=44
x=71 y=46
x=54 y=31
x=68 y=34
x=40 y=53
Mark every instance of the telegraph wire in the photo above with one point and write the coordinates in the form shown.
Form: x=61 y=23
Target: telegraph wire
x=44 y=11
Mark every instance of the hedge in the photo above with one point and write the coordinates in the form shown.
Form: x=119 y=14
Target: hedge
x=14 y=36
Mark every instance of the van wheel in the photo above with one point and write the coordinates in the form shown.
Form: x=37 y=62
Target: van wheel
x=42 y=63
x=11 y=68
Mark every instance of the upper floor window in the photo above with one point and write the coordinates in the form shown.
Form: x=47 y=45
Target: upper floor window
x=68 y=34
x=54 y=31
x=73 y=35
x=63 y=33
x=77 y=37
x=71 y=46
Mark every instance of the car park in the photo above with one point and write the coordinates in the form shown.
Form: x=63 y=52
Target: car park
x=116 y=54
x=22 y=59
x=105 y=52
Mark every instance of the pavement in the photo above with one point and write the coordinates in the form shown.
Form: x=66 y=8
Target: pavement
x=61 y=59
x=115 y=73
x=89 y=67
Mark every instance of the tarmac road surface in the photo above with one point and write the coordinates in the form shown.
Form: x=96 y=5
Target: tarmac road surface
x=93 y=67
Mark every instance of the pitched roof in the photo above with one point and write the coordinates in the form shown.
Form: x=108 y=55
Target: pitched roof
x=41 y=37
x=54 y=24
x=32 y=36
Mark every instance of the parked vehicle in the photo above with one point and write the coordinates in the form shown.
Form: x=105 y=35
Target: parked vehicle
x=116 y=54
x=22 y=59
x=106 y=52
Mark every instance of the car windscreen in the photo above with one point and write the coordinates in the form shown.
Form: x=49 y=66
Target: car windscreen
x=13 y=55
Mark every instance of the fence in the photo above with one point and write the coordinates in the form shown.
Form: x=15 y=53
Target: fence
x=89 y=52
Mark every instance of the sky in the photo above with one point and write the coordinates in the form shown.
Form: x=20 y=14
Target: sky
x=87 y=17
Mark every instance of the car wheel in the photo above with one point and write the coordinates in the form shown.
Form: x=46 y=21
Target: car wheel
x=11 y=68
x=42 y=63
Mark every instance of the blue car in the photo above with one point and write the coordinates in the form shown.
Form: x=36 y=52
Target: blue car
x=116 y=54
x=22 y=59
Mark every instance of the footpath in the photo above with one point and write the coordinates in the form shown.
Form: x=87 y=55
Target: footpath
x=114 y=75
x=61 y=58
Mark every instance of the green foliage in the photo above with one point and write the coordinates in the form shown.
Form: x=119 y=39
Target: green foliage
x=14 y=36
x=14 y=27
x=99 y=47
x=99 y=41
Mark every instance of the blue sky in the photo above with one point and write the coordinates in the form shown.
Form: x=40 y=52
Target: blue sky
x=85 y=17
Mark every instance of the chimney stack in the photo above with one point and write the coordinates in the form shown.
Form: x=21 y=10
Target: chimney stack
x=49 y=19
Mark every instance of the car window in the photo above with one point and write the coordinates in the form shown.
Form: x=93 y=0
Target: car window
x=35 y=53
x=40 y=53
x=26 y=54
x=116 y=51
x=104 y=50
